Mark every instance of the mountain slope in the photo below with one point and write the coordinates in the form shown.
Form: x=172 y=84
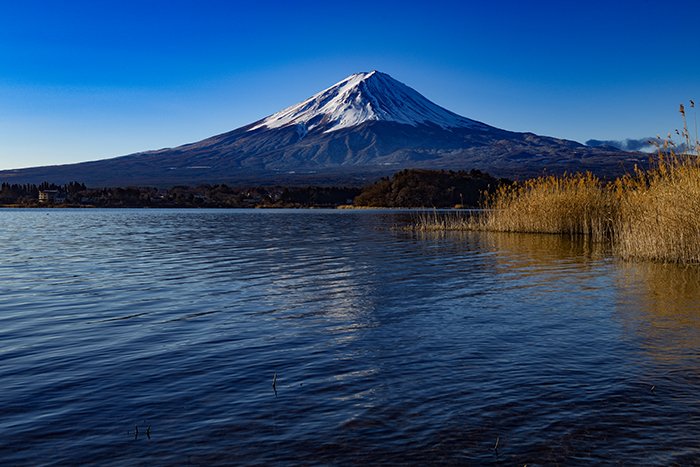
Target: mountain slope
x=367 y=125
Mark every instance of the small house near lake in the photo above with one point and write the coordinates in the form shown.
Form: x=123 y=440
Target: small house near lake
x=51 y=196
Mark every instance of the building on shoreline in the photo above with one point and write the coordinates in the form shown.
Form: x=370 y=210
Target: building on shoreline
x=51 y=196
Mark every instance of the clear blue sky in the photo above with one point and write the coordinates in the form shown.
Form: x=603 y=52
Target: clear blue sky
x=82 y=80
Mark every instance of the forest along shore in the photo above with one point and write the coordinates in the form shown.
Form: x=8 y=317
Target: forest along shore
x=407 y=189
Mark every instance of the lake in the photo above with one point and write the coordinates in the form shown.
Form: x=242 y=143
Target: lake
x=386 y=346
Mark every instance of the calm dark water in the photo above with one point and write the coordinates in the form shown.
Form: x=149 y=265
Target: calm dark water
x=388 y=347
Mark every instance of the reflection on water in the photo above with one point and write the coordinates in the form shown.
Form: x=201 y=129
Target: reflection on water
x=661 y=303
x=543 y=249
x=662 y=290
x=539 y=249
x=389 y=347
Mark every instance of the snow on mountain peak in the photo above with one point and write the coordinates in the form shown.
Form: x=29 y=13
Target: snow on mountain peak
x=363 y=97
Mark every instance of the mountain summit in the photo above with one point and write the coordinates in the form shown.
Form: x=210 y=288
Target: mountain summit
x=365 y=126
x=365 y=97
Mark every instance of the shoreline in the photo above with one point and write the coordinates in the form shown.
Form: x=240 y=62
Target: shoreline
x=339 y=208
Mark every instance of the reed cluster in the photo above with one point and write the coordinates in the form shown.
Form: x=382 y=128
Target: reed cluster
x=659 y=212
x=650 y=214
x=576 y=204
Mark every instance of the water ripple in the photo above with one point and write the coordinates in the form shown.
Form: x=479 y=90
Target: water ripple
x=388 y=347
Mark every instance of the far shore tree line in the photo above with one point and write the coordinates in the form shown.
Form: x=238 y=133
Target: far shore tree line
x=407 y=188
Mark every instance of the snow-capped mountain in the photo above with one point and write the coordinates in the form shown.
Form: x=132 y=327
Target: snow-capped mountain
x=365 y=97
x=365 y=126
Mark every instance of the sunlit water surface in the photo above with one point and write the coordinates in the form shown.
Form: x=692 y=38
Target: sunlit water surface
x=389 y=347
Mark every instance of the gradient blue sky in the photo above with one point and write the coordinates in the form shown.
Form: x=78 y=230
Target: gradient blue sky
x=82 y=80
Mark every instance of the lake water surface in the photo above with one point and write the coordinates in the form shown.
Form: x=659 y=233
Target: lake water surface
x=389 y=347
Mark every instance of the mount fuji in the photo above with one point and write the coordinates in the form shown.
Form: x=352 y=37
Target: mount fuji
x=365 y=126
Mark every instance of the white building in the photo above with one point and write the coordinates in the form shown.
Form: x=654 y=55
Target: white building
x=51 y=196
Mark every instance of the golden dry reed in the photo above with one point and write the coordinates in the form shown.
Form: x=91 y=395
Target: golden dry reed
x=659 y=212
x=651 y=214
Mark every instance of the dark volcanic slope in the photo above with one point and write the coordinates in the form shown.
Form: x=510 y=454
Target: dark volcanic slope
x=365 y=126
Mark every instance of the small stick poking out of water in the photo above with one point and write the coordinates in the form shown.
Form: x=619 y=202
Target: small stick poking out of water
x=495 y=447
x=274 y=383
x=136 y=432
x=653 y=389
x=148 y=431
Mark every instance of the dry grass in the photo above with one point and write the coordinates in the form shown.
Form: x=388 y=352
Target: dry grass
x=578 y=204
x=659 y=216
x=444 y=221
x=650 y=214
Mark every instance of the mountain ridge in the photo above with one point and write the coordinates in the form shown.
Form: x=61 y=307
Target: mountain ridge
x=365 y=126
